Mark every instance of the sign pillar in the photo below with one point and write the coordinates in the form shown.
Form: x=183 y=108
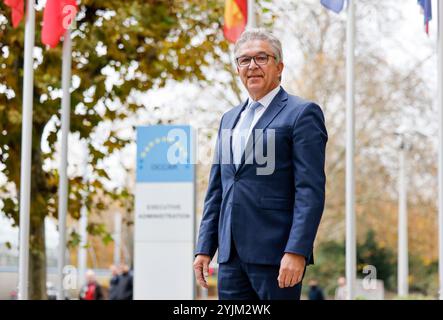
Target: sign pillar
x=164 y=213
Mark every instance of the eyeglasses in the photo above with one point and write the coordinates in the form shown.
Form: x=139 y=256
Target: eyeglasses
x=260 y=59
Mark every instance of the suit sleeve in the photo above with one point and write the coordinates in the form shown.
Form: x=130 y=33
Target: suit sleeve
x=309 y=145
x=208 y=233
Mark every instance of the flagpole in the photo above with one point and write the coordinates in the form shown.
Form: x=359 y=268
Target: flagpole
x=82 y=253
x=117 y=237
x=25 y=175
x=63 y=177
x=350 y=144
x=440 y=148
x=83 y=224
x=403 y=271
x=252 y=20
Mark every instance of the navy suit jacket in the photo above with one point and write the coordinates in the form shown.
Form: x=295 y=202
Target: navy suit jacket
x=267 y=215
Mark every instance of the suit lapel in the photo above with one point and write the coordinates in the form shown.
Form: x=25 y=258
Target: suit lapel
x=277 y=104
x=235 y=116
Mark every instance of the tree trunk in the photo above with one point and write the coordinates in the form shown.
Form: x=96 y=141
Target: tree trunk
x=39 y=209
x=37 y=259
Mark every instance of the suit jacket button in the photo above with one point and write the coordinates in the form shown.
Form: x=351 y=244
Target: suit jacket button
x=236 y=178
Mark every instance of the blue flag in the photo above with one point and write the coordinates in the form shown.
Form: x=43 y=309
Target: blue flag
x=426 y=5
x=334 y=5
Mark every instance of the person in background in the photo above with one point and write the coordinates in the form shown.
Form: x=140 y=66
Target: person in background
x=315 y=292
x=113 y=283
x=91 y=290
x=125 y=284
x=340 y=292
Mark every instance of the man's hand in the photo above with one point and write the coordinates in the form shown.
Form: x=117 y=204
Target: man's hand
x=201 y=269
x=291 y=271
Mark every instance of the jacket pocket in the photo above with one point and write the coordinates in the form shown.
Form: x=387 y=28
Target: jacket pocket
x=274 y=203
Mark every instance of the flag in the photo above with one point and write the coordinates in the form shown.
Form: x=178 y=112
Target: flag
x=57 y=17
x=426 y=5
x=236 y=17
x=334 y=5
x=17 y=10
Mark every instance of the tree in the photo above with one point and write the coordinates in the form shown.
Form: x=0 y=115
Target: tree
x=371 y=253
x=330 y=262
x=143 y=44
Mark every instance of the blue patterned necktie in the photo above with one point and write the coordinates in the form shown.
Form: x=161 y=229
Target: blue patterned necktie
x=240 y=146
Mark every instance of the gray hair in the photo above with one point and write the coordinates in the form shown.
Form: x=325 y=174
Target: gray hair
x=260 y=34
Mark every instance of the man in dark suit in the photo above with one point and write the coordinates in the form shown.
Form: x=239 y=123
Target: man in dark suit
x=266 y=188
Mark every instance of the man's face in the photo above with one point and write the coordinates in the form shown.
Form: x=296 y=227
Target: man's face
x=113 y=270
x=259 y=79
x=90 y=277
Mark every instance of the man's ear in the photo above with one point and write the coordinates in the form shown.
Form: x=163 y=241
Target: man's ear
x=280 y=67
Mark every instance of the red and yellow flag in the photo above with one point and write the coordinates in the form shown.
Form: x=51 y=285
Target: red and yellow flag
x=236 y=17
x=17 y=10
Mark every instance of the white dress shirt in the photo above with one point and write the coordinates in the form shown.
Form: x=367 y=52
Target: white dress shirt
x=265 y=102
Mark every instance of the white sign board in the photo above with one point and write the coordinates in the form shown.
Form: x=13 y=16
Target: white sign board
x=164 y=213
x=370 y=289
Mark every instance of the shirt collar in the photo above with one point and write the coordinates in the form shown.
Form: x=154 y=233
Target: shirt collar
x=267 y=99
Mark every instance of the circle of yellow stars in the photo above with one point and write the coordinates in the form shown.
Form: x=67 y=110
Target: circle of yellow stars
x=150 y=145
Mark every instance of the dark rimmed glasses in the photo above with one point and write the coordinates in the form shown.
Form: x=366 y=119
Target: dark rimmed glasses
x=259 y=59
